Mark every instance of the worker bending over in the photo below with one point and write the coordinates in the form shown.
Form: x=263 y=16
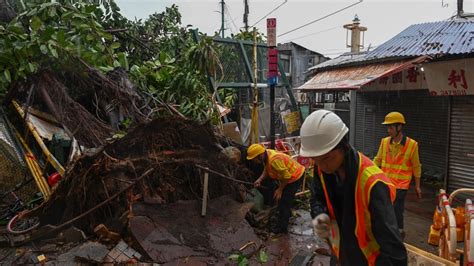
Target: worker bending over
x=286 y=171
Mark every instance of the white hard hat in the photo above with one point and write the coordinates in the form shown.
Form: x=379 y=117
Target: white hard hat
x=321 y=131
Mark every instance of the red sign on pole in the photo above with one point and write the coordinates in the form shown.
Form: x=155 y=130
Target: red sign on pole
x=272 y=50
x=271 y=32
x=272 y=62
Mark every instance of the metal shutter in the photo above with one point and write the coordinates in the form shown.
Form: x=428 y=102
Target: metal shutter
x=427 y=123
x=461 y=150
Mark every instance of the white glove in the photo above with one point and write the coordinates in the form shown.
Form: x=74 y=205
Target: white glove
x=321 y=225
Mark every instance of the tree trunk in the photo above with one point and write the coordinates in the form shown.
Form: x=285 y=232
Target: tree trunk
x=6 y=11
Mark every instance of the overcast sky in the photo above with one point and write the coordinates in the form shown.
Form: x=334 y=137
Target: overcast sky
x=383 y=18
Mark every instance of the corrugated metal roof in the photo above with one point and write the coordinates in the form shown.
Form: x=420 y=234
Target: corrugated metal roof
x=434 y=38
x=353 y=77
x=443 y=37
x=340 y=60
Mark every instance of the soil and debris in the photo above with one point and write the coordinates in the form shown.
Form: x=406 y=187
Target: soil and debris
x=171 y=147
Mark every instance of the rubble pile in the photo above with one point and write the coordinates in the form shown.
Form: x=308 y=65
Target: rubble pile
x=171 y=147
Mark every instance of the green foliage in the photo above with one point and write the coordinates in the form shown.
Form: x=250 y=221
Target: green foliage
x=262 y=256
x=143 y=40
x=248 y=36
x=55 y=36
x=159 y=53
x=229 y=96
x=241 y=259
x=166 y=80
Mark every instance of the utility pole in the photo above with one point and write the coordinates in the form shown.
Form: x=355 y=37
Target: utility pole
x=222 y=17
x=246 y=15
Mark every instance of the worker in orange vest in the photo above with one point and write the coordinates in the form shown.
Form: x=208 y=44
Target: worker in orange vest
x=282 y=168
x=398 y=158
x=351 y=198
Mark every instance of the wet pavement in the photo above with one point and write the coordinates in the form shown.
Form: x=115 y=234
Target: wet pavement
x=177 y=230
x=419 y=216
x=176 y=233
x=298 y=243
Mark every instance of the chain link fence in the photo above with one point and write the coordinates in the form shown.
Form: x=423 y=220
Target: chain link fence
x=13 y=169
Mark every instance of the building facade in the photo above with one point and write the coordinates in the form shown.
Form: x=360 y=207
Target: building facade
x=424 y=72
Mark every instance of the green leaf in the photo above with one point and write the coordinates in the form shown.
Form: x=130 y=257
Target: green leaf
x=61 y=38
x=35 y=23
x=122 y=58
x=135 y=69
x=53 y=51
x=100 y=47
x=49 y=31
x=243 y=261
x=52 y=11
x=67 y=15
x=7 y=75
x=115 y=45
x=262 y=256
x=31 y=67
x=90 y=9
x=44 y=49
x=106 y=68
x=233 y=257
x=16 y=28
x=107 y=36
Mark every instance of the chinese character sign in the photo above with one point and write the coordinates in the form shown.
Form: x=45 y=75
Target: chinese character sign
x=406 y=79
x=271 y=32
x=450 y=77
x=272 y=62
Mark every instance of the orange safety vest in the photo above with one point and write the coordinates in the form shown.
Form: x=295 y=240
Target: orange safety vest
x=295 y=169
x=399 y=169
x=369 y=174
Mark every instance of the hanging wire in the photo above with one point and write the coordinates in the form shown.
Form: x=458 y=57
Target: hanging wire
x=314 y=33
x=231 y=18
x=319 y=19
x=273 y=10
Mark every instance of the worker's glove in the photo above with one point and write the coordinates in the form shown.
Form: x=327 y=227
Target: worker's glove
x=321 y=225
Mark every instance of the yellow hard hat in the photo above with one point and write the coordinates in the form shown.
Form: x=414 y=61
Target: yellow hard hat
x=394 y=118
x=255 y=150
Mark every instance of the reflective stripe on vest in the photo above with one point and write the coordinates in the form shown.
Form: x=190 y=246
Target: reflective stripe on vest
x=295 y=169
x=399 y=168
x=335 y=236
x=369 y=174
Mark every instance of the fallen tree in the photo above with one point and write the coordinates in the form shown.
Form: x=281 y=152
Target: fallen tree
x=176 y=149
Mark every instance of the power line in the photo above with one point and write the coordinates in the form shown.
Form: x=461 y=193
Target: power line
x=273 y=10
x=314 y=33
x=314 y=21
x=231 y=18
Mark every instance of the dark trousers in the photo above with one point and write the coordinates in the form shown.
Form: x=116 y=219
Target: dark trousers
x=399 y=206
x=286 y=203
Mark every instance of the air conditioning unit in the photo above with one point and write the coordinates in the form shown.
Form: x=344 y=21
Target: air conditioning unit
x=301 y=97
